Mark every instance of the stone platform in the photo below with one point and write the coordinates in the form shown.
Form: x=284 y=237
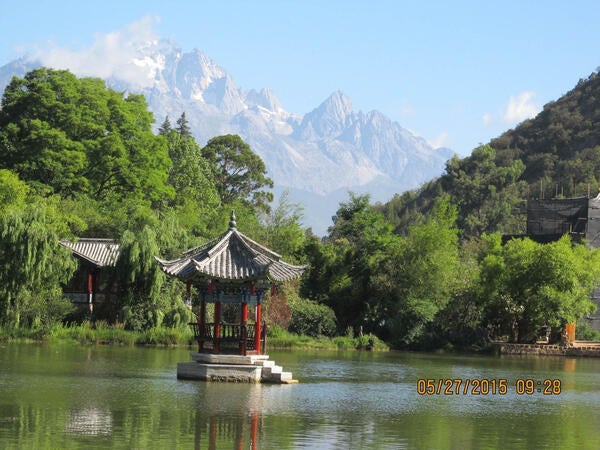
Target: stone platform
x=233 y=368
x=576 y=348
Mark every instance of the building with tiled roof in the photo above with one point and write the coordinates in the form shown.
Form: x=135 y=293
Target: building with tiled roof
x=90 y=284
x=231 y=256
x=230 y=269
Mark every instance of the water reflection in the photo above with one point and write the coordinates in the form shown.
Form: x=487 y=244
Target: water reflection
x=228 y=416
x=90 y=422
x=120 y=397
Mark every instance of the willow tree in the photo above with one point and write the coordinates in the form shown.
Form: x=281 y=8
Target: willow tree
x=147 y=299
x=33 y=266
x=140 y=279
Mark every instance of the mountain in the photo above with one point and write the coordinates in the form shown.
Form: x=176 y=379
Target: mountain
x=553 y=155
x=318 y=157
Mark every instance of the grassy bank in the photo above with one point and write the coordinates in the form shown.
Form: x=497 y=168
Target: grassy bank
x=89 y=333
x=282 y=339
x=101 y=333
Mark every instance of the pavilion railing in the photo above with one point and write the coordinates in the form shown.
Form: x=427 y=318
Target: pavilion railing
x=227 y=337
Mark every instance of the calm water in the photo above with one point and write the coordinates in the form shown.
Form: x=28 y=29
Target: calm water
x=68 y=396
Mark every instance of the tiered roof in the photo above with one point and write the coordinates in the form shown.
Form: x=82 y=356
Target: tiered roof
x=232 y=256
x=100 y=252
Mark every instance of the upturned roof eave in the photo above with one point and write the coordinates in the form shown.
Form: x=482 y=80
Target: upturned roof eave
x=109 y=260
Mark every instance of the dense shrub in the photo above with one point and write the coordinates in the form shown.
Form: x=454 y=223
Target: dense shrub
x=312 y=319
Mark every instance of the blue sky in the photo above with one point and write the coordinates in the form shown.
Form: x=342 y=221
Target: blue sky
x=456 y=73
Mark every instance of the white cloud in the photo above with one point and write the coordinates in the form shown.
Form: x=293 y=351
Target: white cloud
x=520 y=108
x=441 y=140
x=110 y=55
x=487 y=119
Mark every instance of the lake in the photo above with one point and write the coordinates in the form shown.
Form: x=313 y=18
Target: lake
x=69 y=396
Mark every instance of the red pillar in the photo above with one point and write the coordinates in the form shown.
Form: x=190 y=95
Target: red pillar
x=202 y=324
x=244 y=312
x=217 y=337
x=244 y=329
x=90 y=289
x=258 y=326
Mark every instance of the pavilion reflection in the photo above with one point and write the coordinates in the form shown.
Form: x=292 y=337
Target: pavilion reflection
x=229 y=416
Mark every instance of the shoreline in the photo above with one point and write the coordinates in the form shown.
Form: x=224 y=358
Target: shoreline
x=577 y=348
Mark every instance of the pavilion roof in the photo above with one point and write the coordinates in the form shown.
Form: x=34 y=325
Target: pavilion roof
x=232 y=256
x=99 y=252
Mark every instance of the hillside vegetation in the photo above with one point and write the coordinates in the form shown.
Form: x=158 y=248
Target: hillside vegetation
x=555 y=154
x=426 y=270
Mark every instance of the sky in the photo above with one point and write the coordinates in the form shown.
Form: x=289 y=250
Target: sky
x=457 y=73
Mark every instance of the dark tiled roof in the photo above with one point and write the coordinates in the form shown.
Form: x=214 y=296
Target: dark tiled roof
x=232 y=256
x=100 y=252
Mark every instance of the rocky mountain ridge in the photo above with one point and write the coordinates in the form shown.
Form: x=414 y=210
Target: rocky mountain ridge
x=318 y=157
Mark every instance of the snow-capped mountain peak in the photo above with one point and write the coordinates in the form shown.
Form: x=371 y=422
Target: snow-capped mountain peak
x=322 y=155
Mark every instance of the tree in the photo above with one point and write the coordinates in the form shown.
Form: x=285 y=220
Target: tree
x=33 y=266
x=487 y=194
x=529 y=285
x=282 y=231
x=165 y=128
x=344 y=271
x=140 y=279
x=13 y=191
x=239 y=173
x=183 y=127
x=417 y=278
x=75 y=137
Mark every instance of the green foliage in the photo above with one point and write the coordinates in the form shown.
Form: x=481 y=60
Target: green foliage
x=529 y=285
x=183 y=128
x=239 y=173
x=13 y=191
x=33 y=265
x=140 y=279
x=73 y=136
x=312 y=319
x=419 y=276
x=192 y=179
x=556 y=154
x=281 y=229
x=584 y=332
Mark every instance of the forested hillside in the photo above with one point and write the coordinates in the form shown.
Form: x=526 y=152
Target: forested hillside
x=80 y=160
x=425 y=270
x=555 y=154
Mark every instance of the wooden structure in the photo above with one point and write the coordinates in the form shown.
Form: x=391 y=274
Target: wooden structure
x=90 y=284
x=230 y=269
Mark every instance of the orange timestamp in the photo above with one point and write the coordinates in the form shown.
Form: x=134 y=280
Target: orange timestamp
x=487 y=386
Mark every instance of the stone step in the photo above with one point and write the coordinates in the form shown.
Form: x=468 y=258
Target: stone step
x=267 y=372
x=281 y=378
x=265 y=363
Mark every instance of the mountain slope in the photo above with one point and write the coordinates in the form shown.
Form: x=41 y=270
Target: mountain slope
x=329 y=150
x=555 y=154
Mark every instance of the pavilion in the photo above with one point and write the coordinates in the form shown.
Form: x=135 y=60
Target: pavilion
x=91 y=283
x=230 y=269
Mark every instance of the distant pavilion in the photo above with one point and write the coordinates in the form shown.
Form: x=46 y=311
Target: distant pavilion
x=91 y=282
x=231 y=269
